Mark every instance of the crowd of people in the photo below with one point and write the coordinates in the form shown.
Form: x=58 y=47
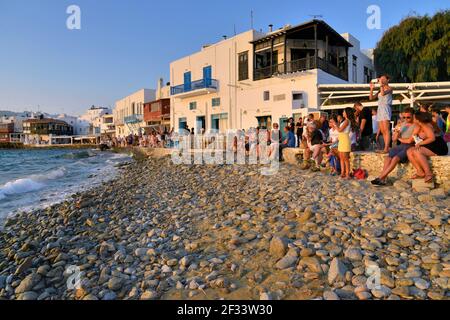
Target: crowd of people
x=329 y=140
x=417 y=136
x=156 y=138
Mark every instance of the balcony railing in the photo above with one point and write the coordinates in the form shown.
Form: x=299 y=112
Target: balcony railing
x=300 y=65
x=135 y=118
x=195 y=85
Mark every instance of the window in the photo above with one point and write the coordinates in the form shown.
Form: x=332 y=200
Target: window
x=154 y=107
x=265 y=58
x=297 y=96
x=215 y=102
x=243 y=66
x=355 y=69
x=193 y=105
x=266 y=95
x=279 y=97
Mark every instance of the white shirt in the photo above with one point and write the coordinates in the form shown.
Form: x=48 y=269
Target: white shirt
x=334 y=135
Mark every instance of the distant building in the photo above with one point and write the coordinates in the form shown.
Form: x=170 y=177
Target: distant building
x=106 y=126
x=94 y=113
x=129 y=112
x=40 y=131
x=157 y=113
x=6 y=129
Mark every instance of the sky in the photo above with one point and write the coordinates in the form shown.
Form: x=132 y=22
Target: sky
x=124 y=46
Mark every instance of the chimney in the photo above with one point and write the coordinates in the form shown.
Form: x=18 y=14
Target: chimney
x=224 y=37
x=159 y=89
x=270 y=27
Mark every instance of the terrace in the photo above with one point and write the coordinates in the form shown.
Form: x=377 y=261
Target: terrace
x=313 y=45
x=195 y=88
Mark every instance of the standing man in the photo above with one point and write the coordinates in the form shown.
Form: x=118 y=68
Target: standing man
x=384 y=112
x=365 y=123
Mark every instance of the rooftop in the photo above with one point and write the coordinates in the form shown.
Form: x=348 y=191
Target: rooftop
x=45 y=121
x=323 y=28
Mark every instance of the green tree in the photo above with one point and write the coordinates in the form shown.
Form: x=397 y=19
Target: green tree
x=416 y=50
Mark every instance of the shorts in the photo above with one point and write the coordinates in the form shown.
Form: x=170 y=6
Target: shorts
x=400 y=152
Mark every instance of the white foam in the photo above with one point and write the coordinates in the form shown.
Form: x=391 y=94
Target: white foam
x=30 y=184
x=20 y=186
x=51 y=175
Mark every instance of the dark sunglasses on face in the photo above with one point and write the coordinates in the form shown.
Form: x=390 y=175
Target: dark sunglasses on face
x=407 y=117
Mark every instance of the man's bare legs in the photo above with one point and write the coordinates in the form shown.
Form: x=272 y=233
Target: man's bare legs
x=386 y=132
x=389 y=165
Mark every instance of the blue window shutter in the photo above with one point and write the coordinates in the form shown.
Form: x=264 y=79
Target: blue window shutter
x=207 y=76
x=187 y=81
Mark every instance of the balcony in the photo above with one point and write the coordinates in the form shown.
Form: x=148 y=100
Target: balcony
x=133 y=119
x=298 y=66
x=196 y=88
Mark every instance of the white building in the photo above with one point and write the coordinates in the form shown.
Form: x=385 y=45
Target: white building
x=94 y=113
x=255 y=79
x=81 y=127
x=129 y=112
x=19 y=118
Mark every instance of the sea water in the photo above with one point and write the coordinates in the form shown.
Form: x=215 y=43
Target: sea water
x=35 y=179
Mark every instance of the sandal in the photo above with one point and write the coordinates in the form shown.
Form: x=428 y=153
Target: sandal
x=417 y=177
x=429 y=178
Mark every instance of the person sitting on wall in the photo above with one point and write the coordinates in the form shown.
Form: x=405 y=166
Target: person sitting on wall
x=315 y=147
x=429 y=143
x=289 y=142
x=398 y=154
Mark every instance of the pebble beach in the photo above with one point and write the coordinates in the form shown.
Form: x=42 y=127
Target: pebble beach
x=162 y=231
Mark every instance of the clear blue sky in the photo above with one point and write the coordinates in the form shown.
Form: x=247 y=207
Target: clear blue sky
x=127 y=45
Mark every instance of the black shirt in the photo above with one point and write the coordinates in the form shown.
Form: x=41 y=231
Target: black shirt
x=366 y=114
x=316 y=137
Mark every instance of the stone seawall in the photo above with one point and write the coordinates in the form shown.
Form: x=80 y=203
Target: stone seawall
x=373 y=163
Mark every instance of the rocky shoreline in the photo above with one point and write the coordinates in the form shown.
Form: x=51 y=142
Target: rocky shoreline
x=160 y=231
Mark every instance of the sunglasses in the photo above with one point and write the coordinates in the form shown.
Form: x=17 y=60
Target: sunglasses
x=407 y=117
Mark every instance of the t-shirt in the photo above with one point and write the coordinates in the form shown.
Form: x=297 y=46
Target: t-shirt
x=366 y=114
x=334 y=135
x=316 y=137
x=291 y=140
x=406 y=132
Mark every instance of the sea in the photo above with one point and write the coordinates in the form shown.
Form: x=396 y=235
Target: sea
x=38 y=178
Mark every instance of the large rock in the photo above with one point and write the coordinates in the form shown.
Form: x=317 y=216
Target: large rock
x=28 y=283
x=312 y=263
x=149 y=295
x=419 y=185
x=306 y=215
x=278 y=247
x=115 y=283
x=337 y=271
x=288 y=260
x=353 y=254
x=25 y=265
x=28 y=296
